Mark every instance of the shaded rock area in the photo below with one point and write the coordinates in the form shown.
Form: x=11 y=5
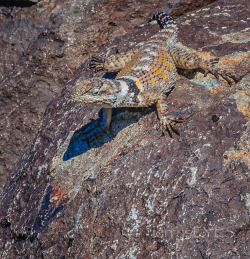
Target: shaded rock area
x=79 y=193
x=20 y=3
x=42 y=45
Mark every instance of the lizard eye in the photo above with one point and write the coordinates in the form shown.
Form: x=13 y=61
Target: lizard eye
x=94 y=90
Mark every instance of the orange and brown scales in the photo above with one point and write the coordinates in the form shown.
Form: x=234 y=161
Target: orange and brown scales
x=149 y=73
x=116 y=63
x=152 y=70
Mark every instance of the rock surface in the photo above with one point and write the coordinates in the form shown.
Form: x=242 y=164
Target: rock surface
x=42 y=45
x=139 y=194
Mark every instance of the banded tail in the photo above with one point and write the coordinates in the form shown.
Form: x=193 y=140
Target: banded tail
x=168 y=33
x=163 y=19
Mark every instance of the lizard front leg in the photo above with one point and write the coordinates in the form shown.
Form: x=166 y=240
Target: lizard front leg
x=166 y=120
x=188 y=60
x=107 y=116
x=114 y=63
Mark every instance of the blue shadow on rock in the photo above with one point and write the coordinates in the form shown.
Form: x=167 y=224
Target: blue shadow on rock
x=92 y=135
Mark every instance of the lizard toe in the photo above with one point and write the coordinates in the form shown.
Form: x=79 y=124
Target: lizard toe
x=96 y=63
x=167 y=123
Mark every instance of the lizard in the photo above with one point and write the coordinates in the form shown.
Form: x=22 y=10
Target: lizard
x=147 y=75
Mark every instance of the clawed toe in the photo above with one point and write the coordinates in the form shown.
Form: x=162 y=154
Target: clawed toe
x=231 y=79
x=168 y=123
x=98 y=59
x=96 y=63
x=208 y=67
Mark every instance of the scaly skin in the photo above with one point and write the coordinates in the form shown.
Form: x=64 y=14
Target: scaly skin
x=147 y=75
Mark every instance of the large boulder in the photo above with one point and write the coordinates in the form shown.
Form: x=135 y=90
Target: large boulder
x=42 y=45
x=79 y=193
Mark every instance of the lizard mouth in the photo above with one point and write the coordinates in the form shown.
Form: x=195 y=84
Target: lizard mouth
x=103 y=101
x=95 y=91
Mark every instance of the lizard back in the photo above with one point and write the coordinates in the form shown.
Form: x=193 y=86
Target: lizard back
x=152 y=68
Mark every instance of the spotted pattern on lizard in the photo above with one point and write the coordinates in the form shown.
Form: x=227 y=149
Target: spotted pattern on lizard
x=147 y=74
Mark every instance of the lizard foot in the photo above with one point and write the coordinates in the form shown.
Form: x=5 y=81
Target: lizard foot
x=210 y=68
x=96 y=63
x=167 y=123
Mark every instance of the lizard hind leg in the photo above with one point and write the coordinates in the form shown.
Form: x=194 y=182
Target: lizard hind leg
x=188 y=60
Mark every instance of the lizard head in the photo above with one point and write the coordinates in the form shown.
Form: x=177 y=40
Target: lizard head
x=96 y=91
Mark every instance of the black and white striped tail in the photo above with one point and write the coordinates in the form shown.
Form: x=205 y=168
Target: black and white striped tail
x=163 y=19
x=168 y=33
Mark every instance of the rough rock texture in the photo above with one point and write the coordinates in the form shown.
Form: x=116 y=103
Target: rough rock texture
x=42 y=45
x=79 y=193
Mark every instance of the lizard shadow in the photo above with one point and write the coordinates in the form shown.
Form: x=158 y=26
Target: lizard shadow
x=189 y=73
x=94 y=135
